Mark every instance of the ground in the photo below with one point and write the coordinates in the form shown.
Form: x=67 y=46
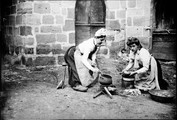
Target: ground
x=31 y=94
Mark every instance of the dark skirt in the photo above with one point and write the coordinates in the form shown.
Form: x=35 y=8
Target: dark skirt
x=72 y=71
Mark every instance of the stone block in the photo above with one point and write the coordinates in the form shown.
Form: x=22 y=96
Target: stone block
x=20 y=19
x=71 y=12
x=50 y=29
x=19 y=49
x=56 y=7
x=71 y=38
x=61 y=38
x=44 y=61
x=114 y=24
x=134 y=31
x=24 y=8
x=29 y=50
x=43 y=49
x=59 y=19
x=13 y=9
x=123 y=4
x=65 y=48
x=69 y=25
x=138 y=21
x=42 y=8
x=9 y=40
x=56 y=49
x=113 y=4
x=48 y=19
x=120 y=14
x=25 y=30
x=60 y=60
x=29 y=41
x=36 y=29
x=135 y=12
x=131 y=3
x=103 y=50
x=129 y=21
x=64 y=11
x=12 y=20
x=16 y=31
x=45 y=38
x=110 y=15
x=32 y=19
x=18 y=41
x=122 y=23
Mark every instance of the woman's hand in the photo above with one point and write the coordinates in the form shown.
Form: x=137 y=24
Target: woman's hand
x=96 y=70
x=132 y=73
x=93 y=63
x=125 y=72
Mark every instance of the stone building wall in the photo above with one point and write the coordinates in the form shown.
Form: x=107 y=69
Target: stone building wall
x=46 y=29
x=132 y=18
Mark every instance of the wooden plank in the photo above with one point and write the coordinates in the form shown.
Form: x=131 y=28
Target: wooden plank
x=164 y=56
x=164 y=47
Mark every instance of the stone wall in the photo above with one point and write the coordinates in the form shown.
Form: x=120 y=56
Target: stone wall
x=46 y=29
x=132 y=18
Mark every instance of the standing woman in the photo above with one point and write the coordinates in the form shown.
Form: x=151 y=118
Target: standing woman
x=81 y=60
x=144 y=66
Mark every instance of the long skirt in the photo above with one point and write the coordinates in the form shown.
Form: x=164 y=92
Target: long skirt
x=152 y=79
x=78 y=73
x=72 y=71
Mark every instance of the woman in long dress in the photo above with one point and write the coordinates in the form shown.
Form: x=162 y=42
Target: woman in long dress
x=147 y=70
x=81 y=60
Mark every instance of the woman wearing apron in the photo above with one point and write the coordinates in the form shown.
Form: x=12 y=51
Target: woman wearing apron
x=81 y=60
x=144 y=66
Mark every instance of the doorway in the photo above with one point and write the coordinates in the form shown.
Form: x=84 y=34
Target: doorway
x=164 y=32
x=89 y=17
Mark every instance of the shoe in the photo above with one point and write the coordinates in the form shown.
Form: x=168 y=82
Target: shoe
x=80 y=88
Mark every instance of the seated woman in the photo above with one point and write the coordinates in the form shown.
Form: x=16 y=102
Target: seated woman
x=147 y=70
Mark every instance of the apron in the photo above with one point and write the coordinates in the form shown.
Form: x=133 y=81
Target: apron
x=149 y=80
x=86 y=76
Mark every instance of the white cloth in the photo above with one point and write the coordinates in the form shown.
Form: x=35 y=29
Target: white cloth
x=142 y=57
x=83 y=63
x=101 y=32
x=149 y=81
x=146 y=77
x=86 y=76
x=86 y=47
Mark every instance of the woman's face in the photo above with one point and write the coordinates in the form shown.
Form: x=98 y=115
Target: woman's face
x=134 y=48
x=101 y=41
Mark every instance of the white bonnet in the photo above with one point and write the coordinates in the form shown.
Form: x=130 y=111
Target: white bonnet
x=101 y=32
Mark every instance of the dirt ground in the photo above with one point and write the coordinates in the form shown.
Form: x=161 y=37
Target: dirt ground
x=31 y=94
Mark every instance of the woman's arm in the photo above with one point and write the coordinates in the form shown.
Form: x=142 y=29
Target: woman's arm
x=129 y=66
x=86 y=63
x=94 y=56
x=145 y=59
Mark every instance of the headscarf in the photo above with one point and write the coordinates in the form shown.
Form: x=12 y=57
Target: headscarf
x=101 y=32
